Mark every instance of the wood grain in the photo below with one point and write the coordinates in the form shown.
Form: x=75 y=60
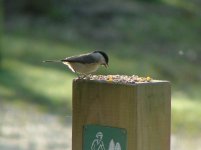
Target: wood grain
x=142 y=109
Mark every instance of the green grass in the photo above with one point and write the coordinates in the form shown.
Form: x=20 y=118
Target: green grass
x=148 y=42
x=25 y=78
x=185 y=114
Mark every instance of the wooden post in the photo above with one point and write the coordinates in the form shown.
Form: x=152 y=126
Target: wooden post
x=143 y=109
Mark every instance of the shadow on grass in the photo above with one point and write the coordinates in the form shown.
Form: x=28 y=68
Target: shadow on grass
x=14 y=83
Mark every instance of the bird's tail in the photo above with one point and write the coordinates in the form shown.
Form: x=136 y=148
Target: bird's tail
x=56 y=61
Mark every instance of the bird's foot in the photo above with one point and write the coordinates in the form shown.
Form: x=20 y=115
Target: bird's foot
x=84 y=76
x=88 y=77
x=81 y=76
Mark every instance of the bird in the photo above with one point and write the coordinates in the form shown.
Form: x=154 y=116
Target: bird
x=85 y=64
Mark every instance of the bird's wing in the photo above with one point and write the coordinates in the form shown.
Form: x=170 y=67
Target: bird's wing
x=85 y=59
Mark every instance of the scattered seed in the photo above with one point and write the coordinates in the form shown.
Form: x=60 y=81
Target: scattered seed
x=120 y=78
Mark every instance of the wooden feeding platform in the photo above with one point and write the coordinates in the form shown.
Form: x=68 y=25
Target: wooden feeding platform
x=122 y=112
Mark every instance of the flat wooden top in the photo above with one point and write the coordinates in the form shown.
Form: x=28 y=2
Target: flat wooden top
x=120 y=79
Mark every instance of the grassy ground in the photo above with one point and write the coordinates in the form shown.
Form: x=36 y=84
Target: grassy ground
x=154 y=40
x=25 y=78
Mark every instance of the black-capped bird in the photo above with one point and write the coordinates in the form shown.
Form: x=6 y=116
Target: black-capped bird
x=86 y=63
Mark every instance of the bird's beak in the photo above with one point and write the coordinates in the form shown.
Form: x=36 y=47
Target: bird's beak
x=106 y=65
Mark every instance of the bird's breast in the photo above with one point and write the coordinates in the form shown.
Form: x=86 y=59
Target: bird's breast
x=84 y=68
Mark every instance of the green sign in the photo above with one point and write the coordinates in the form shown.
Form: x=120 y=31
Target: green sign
x=97 y=137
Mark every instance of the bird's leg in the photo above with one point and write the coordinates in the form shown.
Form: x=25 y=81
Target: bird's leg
x=78 y=75
x=81 y=76
x=85 y=76
x=89 y=76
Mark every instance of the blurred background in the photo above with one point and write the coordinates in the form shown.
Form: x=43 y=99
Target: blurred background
x=156 y=38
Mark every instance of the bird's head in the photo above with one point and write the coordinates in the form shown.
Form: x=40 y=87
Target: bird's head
x=105 y=58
